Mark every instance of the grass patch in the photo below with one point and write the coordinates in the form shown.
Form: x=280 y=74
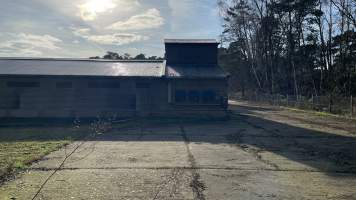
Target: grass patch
x=20 y=146
x=318 y=113
x=18 y=155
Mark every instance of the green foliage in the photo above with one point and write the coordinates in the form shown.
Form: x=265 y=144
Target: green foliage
x=290 y=46
x=115 y=56
x=140 y=56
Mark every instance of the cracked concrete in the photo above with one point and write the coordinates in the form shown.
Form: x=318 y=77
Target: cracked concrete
x=260 y=153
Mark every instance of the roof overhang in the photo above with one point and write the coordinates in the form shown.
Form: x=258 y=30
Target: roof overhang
x=190 y=41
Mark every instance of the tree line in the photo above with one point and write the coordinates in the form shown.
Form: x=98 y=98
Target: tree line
x=296 y=47
x=116 y=56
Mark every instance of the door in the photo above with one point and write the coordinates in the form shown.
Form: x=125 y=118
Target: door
x=143 y=100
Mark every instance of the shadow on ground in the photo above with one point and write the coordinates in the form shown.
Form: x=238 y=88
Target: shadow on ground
x=281 y=145
x=288 y=144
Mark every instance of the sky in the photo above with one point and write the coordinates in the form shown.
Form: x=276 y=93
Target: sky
x=84 y=28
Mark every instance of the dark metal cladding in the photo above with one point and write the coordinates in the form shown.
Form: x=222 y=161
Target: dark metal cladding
x=191 y=51
x=72 y=67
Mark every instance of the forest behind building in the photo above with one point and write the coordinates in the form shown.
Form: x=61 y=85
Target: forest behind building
x=295 y=47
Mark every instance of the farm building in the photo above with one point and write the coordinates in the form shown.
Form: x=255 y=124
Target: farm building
x=189 y=82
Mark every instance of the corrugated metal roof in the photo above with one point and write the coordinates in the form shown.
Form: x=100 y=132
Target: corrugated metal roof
x=81 y=67
x=190 y=41
x=195 y=71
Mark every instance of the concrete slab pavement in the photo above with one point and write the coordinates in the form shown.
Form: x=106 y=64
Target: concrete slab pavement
x=248 y=157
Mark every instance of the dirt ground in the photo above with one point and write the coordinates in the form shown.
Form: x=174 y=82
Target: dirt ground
x=261 y=153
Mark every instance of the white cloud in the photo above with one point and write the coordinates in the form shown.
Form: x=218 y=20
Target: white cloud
x=81 y=32
x=28 y=44
x=150 y=19
x=109 y=39
x=38 y=41
x=182 y=8
x=117 y=38
x=132 y=17
x=90 y=10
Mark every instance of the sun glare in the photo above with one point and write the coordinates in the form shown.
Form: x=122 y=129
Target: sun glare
x=90 y=9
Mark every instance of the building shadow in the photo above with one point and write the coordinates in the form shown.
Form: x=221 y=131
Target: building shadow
x=308 y=149
x=314 y=150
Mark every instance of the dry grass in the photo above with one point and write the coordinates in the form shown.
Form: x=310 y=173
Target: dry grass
x=17 y=155
x=19 y=147
x=318 y=113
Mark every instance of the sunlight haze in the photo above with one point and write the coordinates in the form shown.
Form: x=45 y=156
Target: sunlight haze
x=84 y=28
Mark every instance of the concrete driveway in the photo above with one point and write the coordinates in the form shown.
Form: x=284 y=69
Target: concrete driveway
x=261 y=153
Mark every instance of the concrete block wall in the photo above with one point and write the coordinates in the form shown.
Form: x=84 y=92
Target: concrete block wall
x=81 y=101
x=150 y=98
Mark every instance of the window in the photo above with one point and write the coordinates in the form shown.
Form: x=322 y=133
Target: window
x=64 y=85
x=143 y=85
x=15 y=84
x=196 y=97
x=193 y=96
x=209 y=96
x=10 y=101
x=180 y=96
x=104 y=84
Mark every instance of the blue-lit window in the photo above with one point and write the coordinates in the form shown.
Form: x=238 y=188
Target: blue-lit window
x=143 y=85
x=193 y=96
x=16 y=84
x=208 y=97
x=64 y=85
x=180 y=96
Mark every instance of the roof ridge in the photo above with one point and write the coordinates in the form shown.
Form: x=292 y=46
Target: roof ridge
x=194 y=41
x=77 y=59
x=79 y=68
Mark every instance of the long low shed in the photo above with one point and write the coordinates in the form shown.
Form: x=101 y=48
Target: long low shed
x=188 y=82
